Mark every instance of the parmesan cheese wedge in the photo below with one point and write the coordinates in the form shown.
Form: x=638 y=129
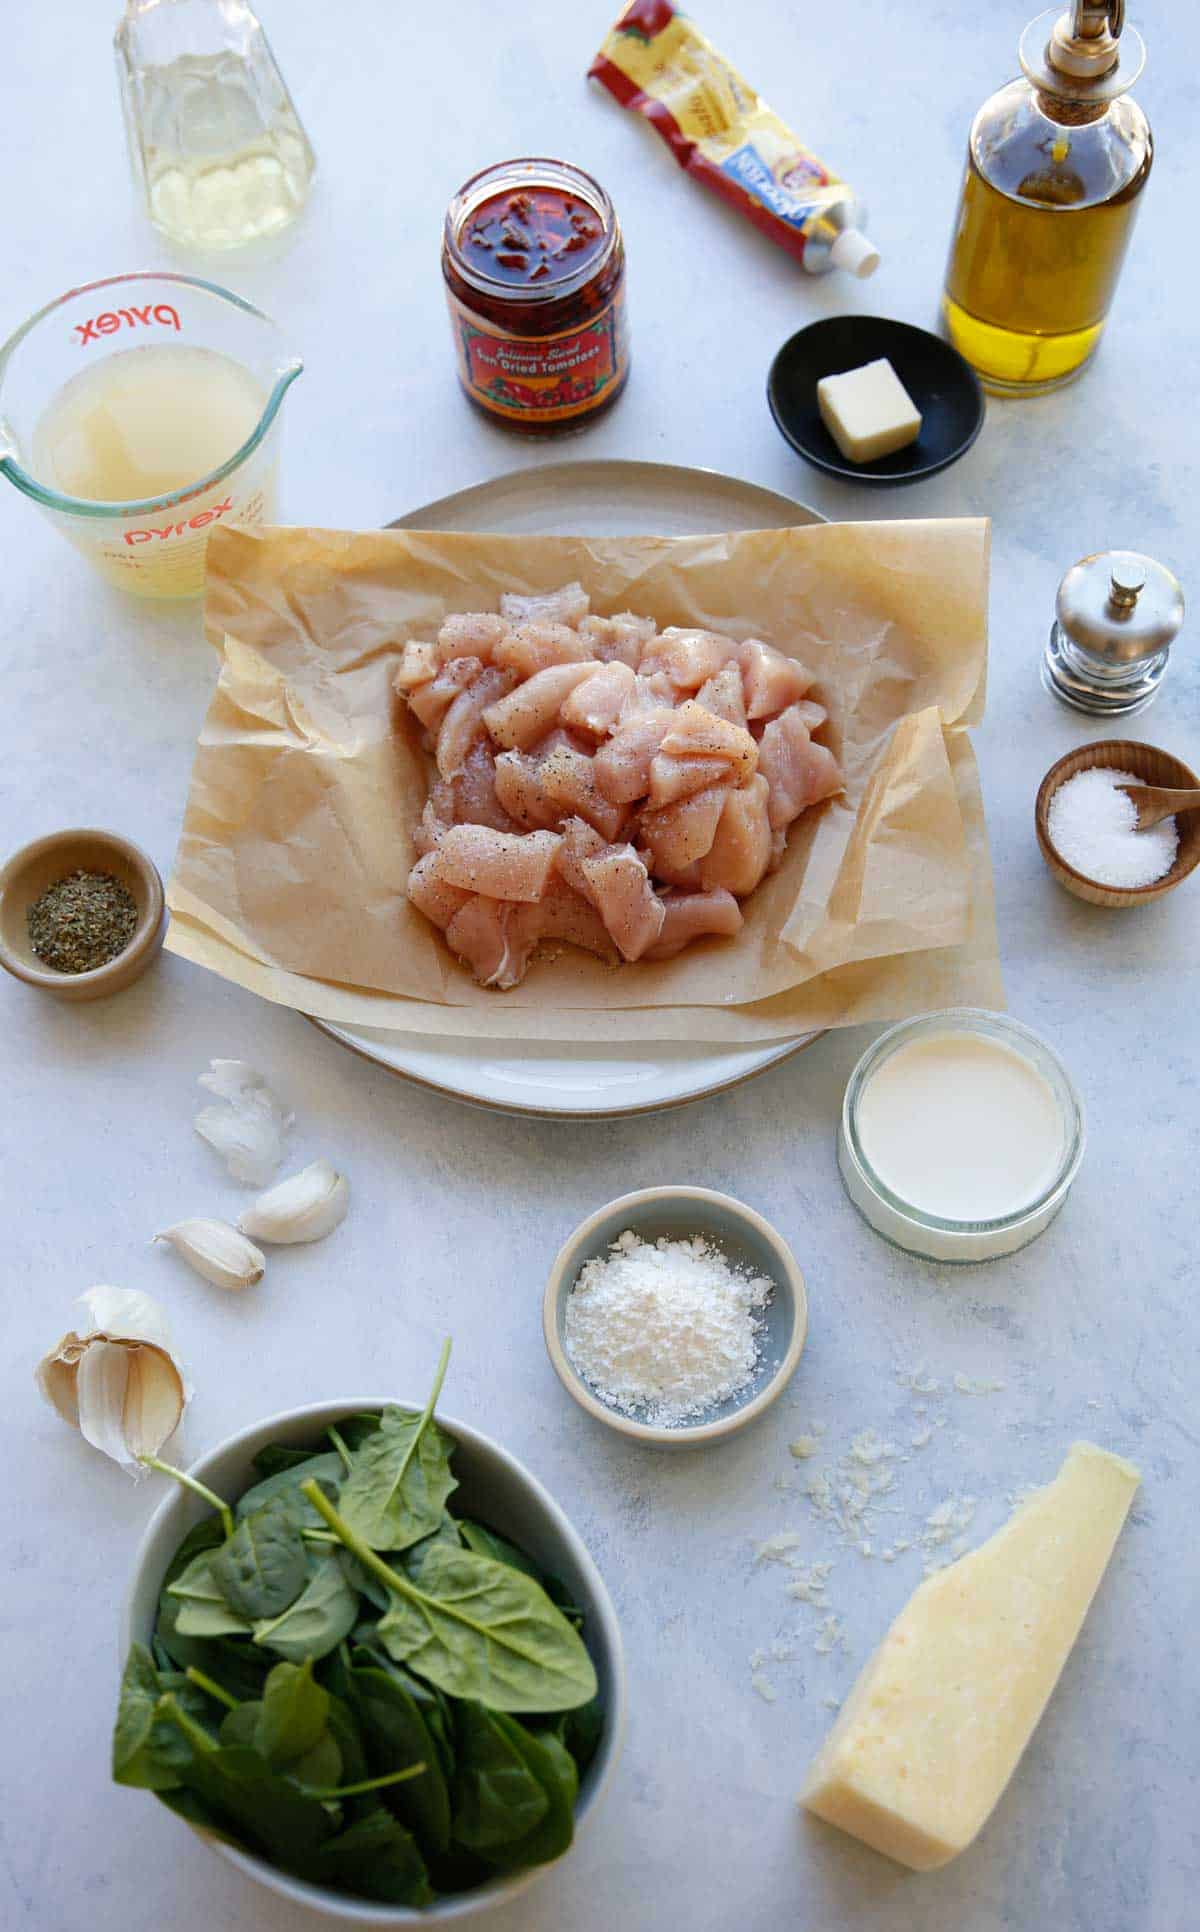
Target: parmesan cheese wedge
x=934 y=1727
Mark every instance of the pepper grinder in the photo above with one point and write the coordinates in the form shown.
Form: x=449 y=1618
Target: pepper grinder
x=1116 y=616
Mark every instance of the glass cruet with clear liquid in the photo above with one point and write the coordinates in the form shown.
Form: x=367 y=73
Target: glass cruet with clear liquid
x=215 y=141
x=1056 y=163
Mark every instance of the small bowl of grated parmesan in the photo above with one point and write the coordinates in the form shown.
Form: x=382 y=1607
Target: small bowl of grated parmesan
x=676 y=1315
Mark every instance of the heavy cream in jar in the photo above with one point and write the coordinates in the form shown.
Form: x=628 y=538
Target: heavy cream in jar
x=960 y=1136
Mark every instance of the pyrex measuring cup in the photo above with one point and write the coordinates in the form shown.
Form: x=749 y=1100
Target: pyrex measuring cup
x=153 y=545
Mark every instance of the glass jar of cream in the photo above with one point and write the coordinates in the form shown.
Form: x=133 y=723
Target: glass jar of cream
x=961 y=1134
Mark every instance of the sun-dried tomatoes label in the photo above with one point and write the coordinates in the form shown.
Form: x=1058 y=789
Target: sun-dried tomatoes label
x=552 y=377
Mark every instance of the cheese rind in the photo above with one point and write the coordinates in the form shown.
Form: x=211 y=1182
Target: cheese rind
x=933 y=1729
x=868 y=411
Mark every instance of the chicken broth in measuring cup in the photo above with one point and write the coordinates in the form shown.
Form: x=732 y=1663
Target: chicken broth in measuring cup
x=145 y=423
x=139 y=423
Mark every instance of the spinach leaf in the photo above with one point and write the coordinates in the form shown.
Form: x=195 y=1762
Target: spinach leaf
x=548 y=1760
x=277 y=1457
x=480 y=1630
x=408 y=1560
x=290 y=1729
x=268 y=1811
x=436 y=1710
x=203 y=1609
x=234 y=1665
x=327 y=1470
x=354 y=1429
x=344 y=1730
x=241 y=1727
x=581 y=1731
x=364 y=1581
x=264 y=1565
x=475 y=1628
x=395 y=1734
x=562 y=1599
x=236 y=1784
x=459 y=1870
x=185 y=1804
x=295 y=1713
x=396 y=1490
x=133 y=1758
x=376 y=1858
x=322 y=1768
x=325 y=1611
x=147 y=1749
x=485 y=1542
x=497 y=1798
x=206 y=1535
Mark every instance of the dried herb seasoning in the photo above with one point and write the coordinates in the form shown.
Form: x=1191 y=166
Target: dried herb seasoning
x=82 y=922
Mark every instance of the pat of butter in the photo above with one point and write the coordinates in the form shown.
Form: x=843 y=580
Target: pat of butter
x=935 y=1725
x=868 y=411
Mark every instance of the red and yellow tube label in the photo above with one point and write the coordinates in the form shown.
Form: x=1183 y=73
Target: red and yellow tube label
x=658 y=64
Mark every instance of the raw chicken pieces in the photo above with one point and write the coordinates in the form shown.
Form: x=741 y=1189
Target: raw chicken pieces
x=600 y=783
x=694 y=915
x=798 y=772
x=740 y=851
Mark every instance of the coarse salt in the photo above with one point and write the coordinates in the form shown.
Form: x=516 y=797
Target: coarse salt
x=1093 y=827
x=666 y=1330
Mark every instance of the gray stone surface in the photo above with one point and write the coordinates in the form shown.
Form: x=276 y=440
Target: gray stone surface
x=457 y=1214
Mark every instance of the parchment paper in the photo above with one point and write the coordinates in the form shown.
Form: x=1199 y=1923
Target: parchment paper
x=296 y=841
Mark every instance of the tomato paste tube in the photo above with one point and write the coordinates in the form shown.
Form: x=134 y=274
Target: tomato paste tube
x=656 y=62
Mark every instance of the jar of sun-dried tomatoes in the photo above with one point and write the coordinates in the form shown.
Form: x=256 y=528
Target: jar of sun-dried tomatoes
x=535 y=277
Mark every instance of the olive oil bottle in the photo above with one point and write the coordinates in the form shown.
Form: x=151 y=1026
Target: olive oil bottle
x=1056 y=163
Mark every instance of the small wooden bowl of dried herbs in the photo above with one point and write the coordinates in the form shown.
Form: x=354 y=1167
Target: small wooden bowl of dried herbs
x=81 y=914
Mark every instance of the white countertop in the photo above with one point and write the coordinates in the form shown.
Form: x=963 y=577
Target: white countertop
x=457 y=1214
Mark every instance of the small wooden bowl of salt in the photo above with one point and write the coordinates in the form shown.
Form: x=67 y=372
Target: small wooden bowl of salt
x=1086 y=828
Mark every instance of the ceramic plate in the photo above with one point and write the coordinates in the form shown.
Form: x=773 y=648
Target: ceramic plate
x=592 y=499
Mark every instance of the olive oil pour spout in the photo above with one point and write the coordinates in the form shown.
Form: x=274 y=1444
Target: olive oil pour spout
x=1085 y=54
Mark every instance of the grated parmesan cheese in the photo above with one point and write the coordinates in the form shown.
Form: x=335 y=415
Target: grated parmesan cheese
x=665 y=1331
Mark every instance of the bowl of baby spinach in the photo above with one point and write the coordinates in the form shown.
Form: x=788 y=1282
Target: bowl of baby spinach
x=367 y=1658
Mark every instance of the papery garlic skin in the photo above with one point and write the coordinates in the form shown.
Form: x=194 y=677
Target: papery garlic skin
x=218 y=1252
x=305 y=1207
x=115 y=1378
x=247 y=1126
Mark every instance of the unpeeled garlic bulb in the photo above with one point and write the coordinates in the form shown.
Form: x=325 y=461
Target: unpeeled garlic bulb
x=305 y=1207
x=115 y=1378
x=247 y=1126
x=218 y=1252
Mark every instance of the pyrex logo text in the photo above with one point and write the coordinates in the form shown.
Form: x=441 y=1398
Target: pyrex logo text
x=114 y=319
x=198 y=522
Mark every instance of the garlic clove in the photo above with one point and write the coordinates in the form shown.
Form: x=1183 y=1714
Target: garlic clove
x=233 y=1080
x=305 y=1207
x=125 y=1314
x=218 y=1252
x=247 y=1125
x=107 y=1393
x=115 y=1378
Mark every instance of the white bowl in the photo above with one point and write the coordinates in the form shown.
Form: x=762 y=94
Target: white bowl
x=493 y=1486
x=746 y=1240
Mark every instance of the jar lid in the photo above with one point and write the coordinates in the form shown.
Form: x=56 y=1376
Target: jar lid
x=1120 y=606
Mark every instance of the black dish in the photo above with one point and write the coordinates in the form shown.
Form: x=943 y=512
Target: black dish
x=943 y=386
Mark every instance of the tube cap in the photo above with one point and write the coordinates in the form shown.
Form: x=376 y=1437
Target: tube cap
x=853 y=252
